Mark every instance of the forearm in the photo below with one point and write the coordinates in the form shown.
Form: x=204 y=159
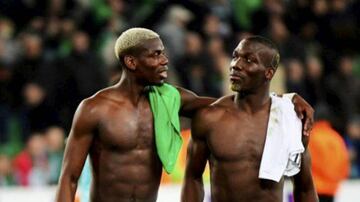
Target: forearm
x=306 y=196
x=66 y=189
x=190 y=108
x=191 y=103
x=193 y=190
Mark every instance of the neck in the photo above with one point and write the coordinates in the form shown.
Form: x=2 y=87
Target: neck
x=252 y=102
x=131 y=87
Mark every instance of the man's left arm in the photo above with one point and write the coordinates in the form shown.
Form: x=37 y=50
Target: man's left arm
x=304 y=188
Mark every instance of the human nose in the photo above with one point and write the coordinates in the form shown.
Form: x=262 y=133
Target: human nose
x=164 y=59
x=234 y=64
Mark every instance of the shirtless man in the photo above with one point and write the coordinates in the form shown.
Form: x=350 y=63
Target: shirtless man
x=115 y=127
x=230 y=134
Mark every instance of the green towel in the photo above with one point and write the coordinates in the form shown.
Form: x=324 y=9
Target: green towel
x=165 y=106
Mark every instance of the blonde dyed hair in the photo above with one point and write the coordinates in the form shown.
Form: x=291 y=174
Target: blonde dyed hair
x=131 y=38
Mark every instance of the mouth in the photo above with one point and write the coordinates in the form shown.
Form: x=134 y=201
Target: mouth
x=236 y=77
x=163 y=73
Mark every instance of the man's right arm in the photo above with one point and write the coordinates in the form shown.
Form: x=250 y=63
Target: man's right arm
x=197 y=155
x=76 y=151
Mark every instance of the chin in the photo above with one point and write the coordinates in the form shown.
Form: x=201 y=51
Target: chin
x=235 y=87
x=158 y=83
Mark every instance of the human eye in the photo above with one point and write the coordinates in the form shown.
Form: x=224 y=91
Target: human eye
x=234 y=55
x=250 y=59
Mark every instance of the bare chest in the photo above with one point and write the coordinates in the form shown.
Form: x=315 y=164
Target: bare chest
x=238 y=138
x=127 y=128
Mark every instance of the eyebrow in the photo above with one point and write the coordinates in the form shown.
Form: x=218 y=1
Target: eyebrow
x=150 y=52
x=244 y=53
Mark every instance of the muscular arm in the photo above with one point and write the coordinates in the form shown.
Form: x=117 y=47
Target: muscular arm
x=304 y=189
x=190 y=102
x=76 y=150
x=193 y=188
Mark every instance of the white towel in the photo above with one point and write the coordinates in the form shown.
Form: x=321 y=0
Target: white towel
x=283 y=145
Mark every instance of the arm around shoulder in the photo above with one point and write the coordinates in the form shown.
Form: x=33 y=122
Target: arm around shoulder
x=190 y=102
x=76 y=150
x=303 y=109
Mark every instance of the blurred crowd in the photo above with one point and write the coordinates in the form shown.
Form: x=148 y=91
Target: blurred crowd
x=55 y=53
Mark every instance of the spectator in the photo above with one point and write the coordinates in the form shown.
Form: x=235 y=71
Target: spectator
x=31 y=165
x=83 y=74
x=29 y=67
x=353 y=142
x=290 y=46
x=196 y=68
x=221 y=64
x=39 y=114
x=342 y=92
x=6 y=177
x=214 y=27
x=329 y=169
x=314 y=81
x=261 y=18
x=55 y=141
x=296 y=77
x=173 y=31
x=5 y=112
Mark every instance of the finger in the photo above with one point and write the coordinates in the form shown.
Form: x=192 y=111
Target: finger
x=308 y=126
x=306 y=133
x=299 y=113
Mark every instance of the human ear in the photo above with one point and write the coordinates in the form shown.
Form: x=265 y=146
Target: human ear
x=269 y=73
x=130 y=62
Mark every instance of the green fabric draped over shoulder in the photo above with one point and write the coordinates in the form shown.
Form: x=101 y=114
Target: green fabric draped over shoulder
x=165 y=105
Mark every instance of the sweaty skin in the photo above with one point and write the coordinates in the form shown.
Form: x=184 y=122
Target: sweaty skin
x=230 y=135
x=115 y=127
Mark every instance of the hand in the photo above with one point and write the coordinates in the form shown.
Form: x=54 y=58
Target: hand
x=304 y=111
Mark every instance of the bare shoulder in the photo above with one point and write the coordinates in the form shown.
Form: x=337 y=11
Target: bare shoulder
x=225 y=102
x=182 y=90
x=209 y=116
x=101 y=102
x=108 y=97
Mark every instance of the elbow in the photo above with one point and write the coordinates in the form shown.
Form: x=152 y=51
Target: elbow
x=74 y=179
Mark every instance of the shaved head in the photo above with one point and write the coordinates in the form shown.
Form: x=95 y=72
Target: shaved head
x=270 y=59
x=132 y=38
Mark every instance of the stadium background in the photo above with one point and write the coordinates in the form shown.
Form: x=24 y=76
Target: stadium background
x=54 y=53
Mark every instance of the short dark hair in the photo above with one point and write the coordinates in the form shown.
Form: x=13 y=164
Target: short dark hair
x=268 y=43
